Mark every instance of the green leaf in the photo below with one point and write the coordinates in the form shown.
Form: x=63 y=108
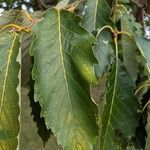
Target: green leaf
x=148 y=131
x=129 y=23
x=135 y=29
x=103 y=51
x=120 y=113
x=9 y=97
x=98 y=94
x=143 y=45
x=129 y=49
x=97 y=14
x=130 y=56
x=61 y=52
x=19 y=17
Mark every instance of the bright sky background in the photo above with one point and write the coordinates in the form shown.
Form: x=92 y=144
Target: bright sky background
x=15 y=4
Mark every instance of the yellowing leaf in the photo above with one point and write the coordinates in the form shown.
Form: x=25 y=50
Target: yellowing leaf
x=9 y=98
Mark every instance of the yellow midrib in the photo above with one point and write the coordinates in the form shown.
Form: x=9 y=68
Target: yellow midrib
x=6 y=73
x=61 y=52
x=95 y=15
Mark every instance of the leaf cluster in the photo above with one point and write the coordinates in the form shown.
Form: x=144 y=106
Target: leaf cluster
x=90 y=65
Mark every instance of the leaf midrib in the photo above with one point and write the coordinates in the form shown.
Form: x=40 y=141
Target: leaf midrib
x=95 y=15
x=62 y=58
x=147 y=65
x=113 y=97
x=6 y=73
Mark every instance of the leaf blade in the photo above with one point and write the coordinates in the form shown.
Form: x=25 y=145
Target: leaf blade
x=143 y=45
x=129 y=49
x=97 y=14
x=9 y=102
x=121 y=105
x=103 y=51
x=66 y=107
